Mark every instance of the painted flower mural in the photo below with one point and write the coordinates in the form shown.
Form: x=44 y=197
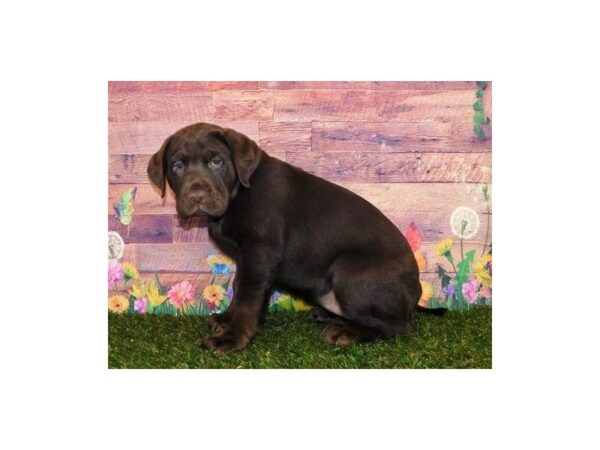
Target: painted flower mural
x=464 y=281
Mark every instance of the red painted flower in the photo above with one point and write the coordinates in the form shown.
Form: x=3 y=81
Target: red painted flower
x=413 y=236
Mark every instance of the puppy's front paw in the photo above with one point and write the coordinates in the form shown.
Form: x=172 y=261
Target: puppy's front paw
x=217 y=323
x=224 y=344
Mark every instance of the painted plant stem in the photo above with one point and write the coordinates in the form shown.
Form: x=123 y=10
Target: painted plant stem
x=487 y=204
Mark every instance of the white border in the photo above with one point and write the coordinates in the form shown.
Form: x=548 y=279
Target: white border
x=58 y=58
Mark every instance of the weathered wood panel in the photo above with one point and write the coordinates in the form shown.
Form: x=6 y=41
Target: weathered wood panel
x=396 y=167
x=279 y=137
x=175 y=257
x=243 y=105
x=408 y=147
x=391 y=198
x=396 y=137
x=128 y=168
x=160 y=108
x=147 y=137
x=364 y=166
x=401 y=198
x=151 y=228
x=373 y=106
x=232 y=85
x=367 y=85
x=156 y=87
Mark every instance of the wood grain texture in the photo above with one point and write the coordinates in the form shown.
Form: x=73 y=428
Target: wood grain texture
x=188 y=108
x=128 y=168
x=147 y=137
x=396 y=137
x=373 y=106
x=367 y=85
x=407 y=147
x=156 y=87
x=232 y=85
x=279 y=137
x=396 y=167
x=390 y=198
x=243 y=105
x=151 y=228
x=176 y=257
x=401 y=198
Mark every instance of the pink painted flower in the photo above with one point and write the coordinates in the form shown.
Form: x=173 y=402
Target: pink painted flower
x=485 y=292
x=141 y=305
x=181 y=293
x=413 y=236
x=115 y=272
x=469 y=290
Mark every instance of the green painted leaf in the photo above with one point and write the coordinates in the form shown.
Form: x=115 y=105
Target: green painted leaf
x=482 y=84
x=441 y=271
x=479 y=93
x=478 y=105
x=478 y=117
x=445 y=281
x=464 y=267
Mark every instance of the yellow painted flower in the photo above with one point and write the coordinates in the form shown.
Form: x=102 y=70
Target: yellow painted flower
x=299 y=305
x=444 y=248
x=130 y=271
x=153 y=294
x=219 y=259
x=213 y=295
x=139 y=289
x=118 y=304
x=427 y=293
x=482 y=271
x=421 y=260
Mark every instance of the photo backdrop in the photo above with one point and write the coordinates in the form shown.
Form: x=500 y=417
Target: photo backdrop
x=419 y=151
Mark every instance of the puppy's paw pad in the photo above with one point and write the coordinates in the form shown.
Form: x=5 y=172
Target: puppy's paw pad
x=339 y=335
x=222 y=344
x=217 y=323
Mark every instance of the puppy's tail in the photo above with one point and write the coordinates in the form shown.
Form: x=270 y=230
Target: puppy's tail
x=435 y=311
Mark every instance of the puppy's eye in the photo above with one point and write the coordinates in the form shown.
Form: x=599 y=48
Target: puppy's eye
x=178 y=165
x=216 y=162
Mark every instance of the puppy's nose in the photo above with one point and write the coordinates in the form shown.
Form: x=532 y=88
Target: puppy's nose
x=196 y=186
x=196 y=196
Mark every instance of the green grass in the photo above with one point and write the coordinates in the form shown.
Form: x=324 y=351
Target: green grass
x=293 y=340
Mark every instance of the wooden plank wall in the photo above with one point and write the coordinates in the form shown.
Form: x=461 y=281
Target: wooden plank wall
x=408 y=147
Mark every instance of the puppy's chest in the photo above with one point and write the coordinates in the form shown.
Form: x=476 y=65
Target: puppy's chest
x=225 y=239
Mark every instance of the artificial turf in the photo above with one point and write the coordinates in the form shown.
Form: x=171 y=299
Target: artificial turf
x=292 y=340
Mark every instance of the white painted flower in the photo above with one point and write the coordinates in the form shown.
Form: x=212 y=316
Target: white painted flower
x=464 y=222
x=116 y=245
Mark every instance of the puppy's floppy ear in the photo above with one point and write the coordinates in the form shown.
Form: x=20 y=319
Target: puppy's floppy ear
x=246 y=154
x=157 y=167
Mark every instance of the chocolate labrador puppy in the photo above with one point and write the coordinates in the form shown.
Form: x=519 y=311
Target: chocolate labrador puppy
x=289 y=230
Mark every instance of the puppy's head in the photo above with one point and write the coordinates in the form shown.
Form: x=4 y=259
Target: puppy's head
x=204 y=164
